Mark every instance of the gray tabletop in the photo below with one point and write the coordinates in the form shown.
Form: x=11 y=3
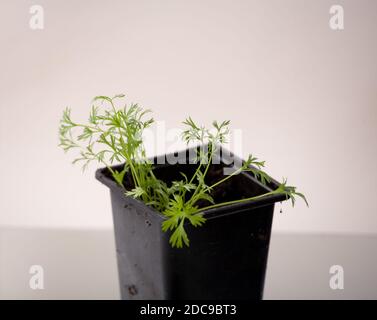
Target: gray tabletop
x=80 y=264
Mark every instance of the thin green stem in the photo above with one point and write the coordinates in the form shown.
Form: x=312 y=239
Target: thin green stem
x=217 y=205
x=225 y=179
x=209 y=154
x=196 y=172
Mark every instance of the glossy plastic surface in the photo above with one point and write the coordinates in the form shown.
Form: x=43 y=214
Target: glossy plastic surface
x=227 y=257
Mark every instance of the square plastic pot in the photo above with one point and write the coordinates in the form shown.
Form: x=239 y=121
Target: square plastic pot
x=227 y=256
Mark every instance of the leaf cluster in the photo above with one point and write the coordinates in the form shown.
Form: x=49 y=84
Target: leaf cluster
x=115 y=134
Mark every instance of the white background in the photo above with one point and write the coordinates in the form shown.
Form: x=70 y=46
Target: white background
x=303 y=95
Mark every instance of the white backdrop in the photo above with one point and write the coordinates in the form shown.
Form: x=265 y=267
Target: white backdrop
x=303 y=95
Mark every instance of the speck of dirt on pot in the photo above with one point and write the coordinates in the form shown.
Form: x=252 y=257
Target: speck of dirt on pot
x=132 y=290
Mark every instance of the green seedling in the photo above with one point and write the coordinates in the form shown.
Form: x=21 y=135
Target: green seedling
x=115 y=135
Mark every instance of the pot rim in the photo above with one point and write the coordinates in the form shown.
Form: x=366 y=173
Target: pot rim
x=209 y=213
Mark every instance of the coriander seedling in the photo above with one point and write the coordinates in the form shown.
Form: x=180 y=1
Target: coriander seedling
x=114 y=134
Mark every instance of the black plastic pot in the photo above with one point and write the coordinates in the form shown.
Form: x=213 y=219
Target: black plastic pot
x=227 y=257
